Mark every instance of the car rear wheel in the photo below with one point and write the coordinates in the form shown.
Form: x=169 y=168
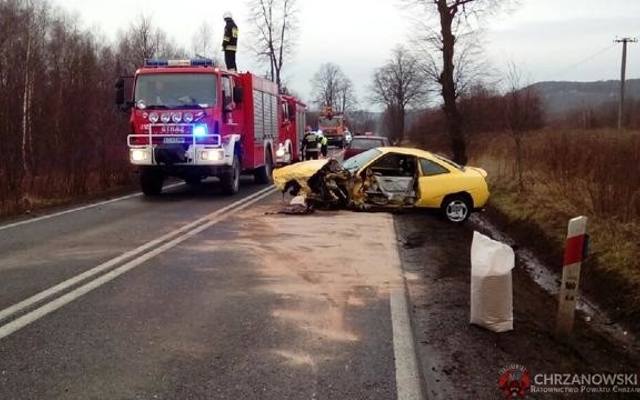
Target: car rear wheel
x=456 y=209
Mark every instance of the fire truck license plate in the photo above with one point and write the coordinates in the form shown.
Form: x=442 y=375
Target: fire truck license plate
x=173 y=140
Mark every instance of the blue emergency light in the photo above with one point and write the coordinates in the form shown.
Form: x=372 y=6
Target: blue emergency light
x=197 y=62
x=200 y=131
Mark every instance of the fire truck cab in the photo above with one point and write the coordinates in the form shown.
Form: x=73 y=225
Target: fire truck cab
x=333 y=127
x=192 y=120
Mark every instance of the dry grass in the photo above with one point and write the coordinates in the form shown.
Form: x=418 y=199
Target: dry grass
x=571 y=173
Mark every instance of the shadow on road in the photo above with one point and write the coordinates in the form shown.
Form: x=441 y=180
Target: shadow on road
x=204 y=191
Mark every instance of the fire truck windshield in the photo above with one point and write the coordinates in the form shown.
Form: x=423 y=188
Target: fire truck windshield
x=175 y=91
x=330 y=123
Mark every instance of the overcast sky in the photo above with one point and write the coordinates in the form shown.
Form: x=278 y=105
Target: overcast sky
x=549 y=39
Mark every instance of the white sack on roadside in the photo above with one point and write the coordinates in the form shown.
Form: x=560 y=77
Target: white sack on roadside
x=491 y=284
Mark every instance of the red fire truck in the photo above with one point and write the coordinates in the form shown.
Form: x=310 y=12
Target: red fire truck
x=292 y=130
x=191 y=120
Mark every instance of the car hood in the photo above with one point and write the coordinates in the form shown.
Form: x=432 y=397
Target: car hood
x=299 y=172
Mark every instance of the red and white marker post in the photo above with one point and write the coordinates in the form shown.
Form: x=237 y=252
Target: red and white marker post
x=575 y=251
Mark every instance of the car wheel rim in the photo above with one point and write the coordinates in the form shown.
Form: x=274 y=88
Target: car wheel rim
x=457 y=211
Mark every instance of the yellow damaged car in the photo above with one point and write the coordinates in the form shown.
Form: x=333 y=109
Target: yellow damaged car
x=387 y=177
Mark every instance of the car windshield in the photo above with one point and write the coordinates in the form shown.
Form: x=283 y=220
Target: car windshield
x=358 y=161
x=365 y=143
x=175 y=90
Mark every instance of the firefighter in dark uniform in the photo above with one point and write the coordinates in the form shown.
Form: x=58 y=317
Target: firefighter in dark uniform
x=310 y=146
x=230 y=42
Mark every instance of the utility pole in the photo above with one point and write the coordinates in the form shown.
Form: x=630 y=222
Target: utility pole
x=623 y=76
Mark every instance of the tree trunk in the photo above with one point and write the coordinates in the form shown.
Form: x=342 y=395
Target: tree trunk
x=447 y=81
x=518 y=140
x=26 y=122
x=401 y=116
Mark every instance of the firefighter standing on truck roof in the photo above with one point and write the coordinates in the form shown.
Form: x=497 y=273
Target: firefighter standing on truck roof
x=310 y=145
x=230 y=42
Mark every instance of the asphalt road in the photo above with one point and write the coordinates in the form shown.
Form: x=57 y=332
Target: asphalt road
x=194 y=295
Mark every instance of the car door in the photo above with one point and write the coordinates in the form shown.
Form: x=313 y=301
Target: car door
x=434 y=183
x=391 y=180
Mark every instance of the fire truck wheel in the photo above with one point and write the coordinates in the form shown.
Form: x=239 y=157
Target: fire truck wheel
x=231 y=179
x=193 y=180
x=151 y=181
x=263 y=174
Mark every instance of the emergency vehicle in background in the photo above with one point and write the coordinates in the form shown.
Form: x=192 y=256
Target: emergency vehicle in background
x=292 y=130
x=333 y=127
x=192 y=120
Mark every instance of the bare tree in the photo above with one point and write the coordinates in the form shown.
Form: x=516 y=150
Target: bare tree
x=332 y=88
x=202 y=43
x=523 y=113
x=143 y=41
x=397 y=85
x=362 y=121
x=274 y=27
x=457 y=19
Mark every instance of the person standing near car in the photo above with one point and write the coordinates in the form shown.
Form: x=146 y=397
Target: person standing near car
x=230 y=42
x=324 y=145
x=310 y=146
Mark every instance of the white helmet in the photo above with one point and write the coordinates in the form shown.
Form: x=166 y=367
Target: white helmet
x=227 y=15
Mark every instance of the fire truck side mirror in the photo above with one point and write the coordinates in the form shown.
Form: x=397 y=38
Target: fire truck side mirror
x=238 y=95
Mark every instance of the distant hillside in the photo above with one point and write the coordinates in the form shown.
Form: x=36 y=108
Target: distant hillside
x=559 y=97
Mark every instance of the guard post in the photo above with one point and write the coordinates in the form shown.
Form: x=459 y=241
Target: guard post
x=576 y=249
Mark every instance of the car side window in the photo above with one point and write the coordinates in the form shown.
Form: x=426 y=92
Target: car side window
x=430 y=168
x=395 y=165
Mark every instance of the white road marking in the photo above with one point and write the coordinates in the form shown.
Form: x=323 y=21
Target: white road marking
x=63 y=300
x=86 y=207
x=11 y=310
x=408 y=379
x=407 y=372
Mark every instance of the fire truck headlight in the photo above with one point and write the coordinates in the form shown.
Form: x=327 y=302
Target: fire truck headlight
x=281 y=151
x=212 y=155
x=165 y=117
x=188 y=117
x=176 y=117
x=200 y=131
x=154 y=117
x=139 y=155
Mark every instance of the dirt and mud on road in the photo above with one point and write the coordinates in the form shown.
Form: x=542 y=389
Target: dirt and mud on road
x=461 y=361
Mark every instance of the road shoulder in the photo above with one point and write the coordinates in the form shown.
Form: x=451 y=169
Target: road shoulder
x=463 y=361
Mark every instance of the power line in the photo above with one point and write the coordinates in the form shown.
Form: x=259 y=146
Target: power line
x=583 y=61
